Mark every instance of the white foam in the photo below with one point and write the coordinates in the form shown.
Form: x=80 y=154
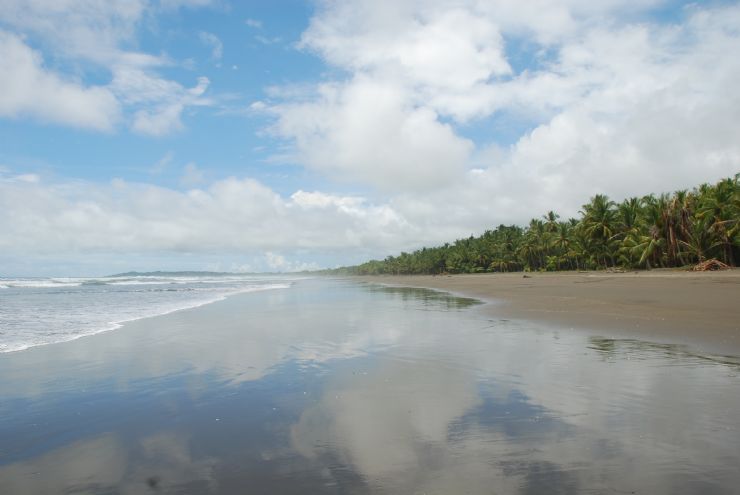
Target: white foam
x=160 y=311
x=38 y=284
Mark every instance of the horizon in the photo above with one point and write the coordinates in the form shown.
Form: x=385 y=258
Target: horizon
x=240 y=137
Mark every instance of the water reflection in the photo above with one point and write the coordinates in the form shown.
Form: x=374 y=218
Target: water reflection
x=111 y=464
x=639 y=349
x=333 y=387
x=426 y=298
x=386 y=422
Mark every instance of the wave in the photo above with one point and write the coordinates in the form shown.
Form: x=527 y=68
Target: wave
x=47 y=283
x=118 y=323
x=37 y=284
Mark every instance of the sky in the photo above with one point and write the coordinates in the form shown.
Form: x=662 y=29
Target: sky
x=279 y=136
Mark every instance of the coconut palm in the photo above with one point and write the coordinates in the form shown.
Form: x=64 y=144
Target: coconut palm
x=599 y=222
x=719 y=213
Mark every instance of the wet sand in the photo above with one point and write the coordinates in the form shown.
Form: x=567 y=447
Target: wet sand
x=696 y=308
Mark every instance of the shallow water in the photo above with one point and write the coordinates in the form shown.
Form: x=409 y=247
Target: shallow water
x=337 y=387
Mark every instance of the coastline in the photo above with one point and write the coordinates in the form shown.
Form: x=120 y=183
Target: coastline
x=695 y=308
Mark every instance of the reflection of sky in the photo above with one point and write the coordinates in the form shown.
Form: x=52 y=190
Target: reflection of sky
x=329 y=385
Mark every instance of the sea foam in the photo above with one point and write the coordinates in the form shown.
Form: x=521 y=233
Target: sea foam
x=36 y=311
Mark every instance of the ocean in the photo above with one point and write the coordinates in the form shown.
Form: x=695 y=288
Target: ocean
x=39 y=311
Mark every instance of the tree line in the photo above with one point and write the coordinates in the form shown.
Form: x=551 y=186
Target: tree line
x=667 y=230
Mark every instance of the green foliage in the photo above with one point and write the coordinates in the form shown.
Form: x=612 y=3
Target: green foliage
x=668 y=230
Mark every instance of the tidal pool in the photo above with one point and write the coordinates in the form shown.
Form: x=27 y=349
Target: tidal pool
x=333 y=386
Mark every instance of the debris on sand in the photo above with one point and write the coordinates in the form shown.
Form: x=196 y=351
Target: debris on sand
x=710 y=265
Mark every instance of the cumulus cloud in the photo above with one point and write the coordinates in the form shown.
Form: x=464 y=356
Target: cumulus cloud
x=459 y=115
x=230 y=215
x=94 y=32
x=278 y=263
x=607 y=101
x=366 y=131
x=93 y=29
x=27 y=88
x=440 y=48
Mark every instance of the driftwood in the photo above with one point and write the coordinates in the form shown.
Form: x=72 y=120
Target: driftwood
x=709 y=265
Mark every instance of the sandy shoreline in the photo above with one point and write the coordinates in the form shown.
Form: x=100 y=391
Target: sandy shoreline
x=694 y=308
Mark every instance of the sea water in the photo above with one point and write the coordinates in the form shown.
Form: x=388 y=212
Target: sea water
x=38 y=311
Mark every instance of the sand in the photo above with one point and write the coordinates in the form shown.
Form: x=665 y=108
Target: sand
x=696 y=308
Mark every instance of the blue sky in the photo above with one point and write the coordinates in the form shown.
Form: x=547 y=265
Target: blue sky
x=199 y=134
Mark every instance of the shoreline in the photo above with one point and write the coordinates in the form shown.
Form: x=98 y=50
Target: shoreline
x=696 y=308
x=111 y=326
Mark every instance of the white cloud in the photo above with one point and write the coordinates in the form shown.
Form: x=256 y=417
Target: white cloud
x=27 y=88
x=32 y=178
x=230 y=215
x=212 y=41
x=268 y=41
x=258 y=106
x=92 y=29
x=78 y=34
x=176 y=4
x=160 y=103
x=278 y=263
x=451 y=48
x=158 y=121
x=309 y=200
x=365 y=130
x=611 y=105
x=604 y=105
x=253 y=23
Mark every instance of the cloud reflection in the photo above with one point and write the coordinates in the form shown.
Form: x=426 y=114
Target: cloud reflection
x=109 y=463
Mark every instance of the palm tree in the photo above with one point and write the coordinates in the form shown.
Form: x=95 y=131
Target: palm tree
x=719 y=213
x=663 y=230
x=551 y=221
x=628 y=213
x=697 y=241
x=599 y=219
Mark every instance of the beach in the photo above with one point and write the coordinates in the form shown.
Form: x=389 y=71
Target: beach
x=344 y=386
x=696 y=308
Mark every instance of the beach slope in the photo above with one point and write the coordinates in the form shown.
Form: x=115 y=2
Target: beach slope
x=698 y=308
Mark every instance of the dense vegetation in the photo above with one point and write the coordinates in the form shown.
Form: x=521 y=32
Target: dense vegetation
x=669 y=230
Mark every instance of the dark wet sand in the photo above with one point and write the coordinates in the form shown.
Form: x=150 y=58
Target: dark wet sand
x=698 y=308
